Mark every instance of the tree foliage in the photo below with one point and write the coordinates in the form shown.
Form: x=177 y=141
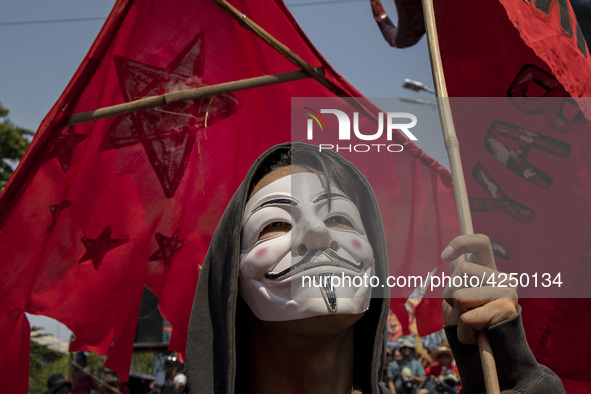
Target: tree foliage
x=44 y=362
x=14 y=140
x=142 y=362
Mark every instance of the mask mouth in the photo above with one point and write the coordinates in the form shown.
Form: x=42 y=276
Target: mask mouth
x=310 y=261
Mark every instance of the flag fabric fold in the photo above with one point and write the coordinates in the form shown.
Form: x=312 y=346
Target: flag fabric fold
x=98 y=210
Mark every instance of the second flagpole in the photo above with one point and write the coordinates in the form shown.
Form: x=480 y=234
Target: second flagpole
x=452 y=146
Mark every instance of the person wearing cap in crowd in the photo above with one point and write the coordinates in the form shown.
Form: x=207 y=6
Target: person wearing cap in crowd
x=442 y=377
x=405 y=375
x=165 y=380
x=57 y=384
x=170 y=370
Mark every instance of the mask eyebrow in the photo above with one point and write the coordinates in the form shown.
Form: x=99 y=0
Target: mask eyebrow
x=277 y=201
x=326 y=196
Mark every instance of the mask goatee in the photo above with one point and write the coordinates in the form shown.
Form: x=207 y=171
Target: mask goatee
x=328 y=292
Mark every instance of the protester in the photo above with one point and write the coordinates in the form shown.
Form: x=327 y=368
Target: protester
x=405 y=375
x=443 y=377
x=254 y=329
x=57 y=384
x=170 y=381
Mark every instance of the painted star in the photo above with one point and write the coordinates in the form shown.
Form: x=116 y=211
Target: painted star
x=97 y=248
x=168 y=133
x=168 y=247
x=63 y=147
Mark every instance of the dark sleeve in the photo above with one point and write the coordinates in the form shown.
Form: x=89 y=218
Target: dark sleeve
x=517 y=368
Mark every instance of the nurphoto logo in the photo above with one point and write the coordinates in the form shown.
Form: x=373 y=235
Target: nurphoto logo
x=347 y=129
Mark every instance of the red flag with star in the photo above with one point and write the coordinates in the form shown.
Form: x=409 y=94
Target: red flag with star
x=526 y=159
x=97 y=210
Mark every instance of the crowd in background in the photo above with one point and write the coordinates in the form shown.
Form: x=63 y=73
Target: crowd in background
x=431 y=370
x=82 y=380
x=407 y=371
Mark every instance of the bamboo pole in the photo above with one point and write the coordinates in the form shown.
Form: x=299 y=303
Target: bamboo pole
x=186 y=95
x=95 y=378
x=277 y=45
x=244 y=21
x=449 y=133
x=453 y=150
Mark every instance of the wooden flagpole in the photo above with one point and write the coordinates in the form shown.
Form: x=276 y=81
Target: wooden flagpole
x=274 y=43
x=461 y=195
x=277 y=45
x=186 y=95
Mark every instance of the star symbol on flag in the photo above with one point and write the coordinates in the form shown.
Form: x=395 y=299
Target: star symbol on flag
x=97 y=248
x=63 y=147
x=168 y=246
x=168 y=133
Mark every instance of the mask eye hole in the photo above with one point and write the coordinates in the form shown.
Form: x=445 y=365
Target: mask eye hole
x=338 y=222
x=274 y=229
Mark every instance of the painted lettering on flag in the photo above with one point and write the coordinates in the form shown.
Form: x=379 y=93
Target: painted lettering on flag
x=529 y=172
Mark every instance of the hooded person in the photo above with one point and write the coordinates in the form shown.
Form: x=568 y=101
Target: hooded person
x=223 y=328
x=255 y=325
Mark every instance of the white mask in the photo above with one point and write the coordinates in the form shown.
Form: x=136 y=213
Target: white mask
x=291 y=241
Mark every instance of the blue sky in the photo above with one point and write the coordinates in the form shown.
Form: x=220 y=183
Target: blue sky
x=38 y=59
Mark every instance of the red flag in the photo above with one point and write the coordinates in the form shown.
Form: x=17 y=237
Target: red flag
x=98 y=210
x=525 y=160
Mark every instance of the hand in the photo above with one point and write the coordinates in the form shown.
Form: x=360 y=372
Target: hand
x=475 y=308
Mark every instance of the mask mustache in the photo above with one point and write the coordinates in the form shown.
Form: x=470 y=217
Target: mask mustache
x=309 y=258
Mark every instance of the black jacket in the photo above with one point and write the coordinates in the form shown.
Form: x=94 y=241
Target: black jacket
x=517 y=369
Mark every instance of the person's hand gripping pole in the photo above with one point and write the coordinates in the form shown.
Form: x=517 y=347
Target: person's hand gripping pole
x=473 y=301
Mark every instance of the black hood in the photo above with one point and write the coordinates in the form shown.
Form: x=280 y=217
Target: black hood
x=212 y=360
